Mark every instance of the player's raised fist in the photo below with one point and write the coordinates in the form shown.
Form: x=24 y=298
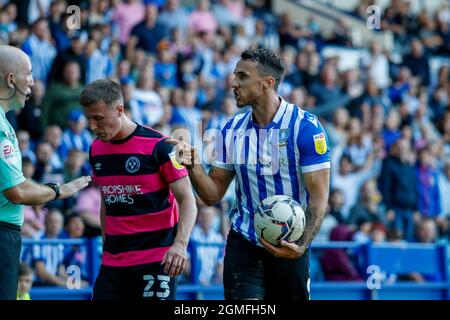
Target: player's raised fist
x=185 y=153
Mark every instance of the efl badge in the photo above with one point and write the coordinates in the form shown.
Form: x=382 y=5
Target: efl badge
x=320 y=143
x=283 y=135
x=174 y=161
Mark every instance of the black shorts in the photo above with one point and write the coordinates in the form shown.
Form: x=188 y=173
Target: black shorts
x=145 y=282
x=251 y=272
x=10 y=245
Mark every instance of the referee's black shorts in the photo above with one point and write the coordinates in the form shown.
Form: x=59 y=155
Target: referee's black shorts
x=10 y=246
x=251 y=272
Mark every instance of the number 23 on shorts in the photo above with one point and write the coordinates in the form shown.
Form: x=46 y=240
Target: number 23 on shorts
x=151 y=289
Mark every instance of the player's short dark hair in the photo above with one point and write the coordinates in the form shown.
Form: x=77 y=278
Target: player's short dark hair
x=25 y=269
x=269 y=64
x=105 y=90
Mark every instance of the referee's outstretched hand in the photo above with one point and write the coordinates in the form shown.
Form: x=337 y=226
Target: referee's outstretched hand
x=185 y=153
x=284 y=250
x=69 y=189
x=174 y=261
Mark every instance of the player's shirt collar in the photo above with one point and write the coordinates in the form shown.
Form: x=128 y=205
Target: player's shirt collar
x=278 y=115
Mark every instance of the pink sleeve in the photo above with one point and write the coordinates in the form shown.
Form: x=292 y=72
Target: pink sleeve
x=171 y=172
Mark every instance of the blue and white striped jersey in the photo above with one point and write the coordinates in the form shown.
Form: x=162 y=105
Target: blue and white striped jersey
x=270 y=161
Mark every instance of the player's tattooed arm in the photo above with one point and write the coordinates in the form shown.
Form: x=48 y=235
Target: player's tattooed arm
x=312 y=227
x=318 y=184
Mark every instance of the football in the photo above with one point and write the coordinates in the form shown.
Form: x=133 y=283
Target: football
x=279 y=218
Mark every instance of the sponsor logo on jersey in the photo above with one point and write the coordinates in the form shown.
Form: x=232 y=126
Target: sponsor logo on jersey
x=311 y=119
x=320 y=143
x=7 y=152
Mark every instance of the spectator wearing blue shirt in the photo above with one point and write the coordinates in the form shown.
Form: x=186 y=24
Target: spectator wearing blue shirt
x=173 y=16
x=40 y=50
x=209 y=259
x=146 y=106
x=48 y=259
x=165 y=66
x=23 y=137
x=427 y=184
x=224 y=16
x=327 y=92
x=391 y=133
x=76 y=255
x=76 y=136
x=188 y=116
x=99 y=65
x=58 y=22
x=53 y=136
x=147 y=34
x=158 y=3
x=401 y=85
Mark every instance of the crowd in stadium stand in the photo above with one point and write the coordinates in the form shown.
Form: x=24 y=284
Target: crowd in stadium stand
x=388 y=120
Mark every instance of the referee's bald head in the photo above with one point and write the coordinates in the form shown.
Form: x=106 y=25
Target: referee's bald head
x=11 y=59
x=16 y=78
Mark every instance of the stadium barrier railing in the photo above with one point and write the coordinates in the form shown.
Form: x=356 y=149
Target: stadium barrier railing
x=388 y=258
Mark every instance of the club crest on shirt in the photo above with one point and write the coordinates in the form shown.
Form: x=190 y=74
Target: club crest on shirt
x=132 y=165
x=174 y=161
x=283 y=135
x=320 y=143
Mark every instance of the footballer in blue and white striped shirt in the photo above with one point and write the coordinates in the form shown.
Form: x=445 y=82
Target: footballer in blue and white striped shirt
x=274 y=149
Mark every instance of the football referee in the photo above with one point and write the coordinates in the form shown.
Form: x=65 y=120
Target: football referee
x=15 y=88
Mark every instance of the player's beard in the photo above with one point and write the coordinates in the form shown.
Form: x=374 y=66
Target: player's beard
x=249 y=102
